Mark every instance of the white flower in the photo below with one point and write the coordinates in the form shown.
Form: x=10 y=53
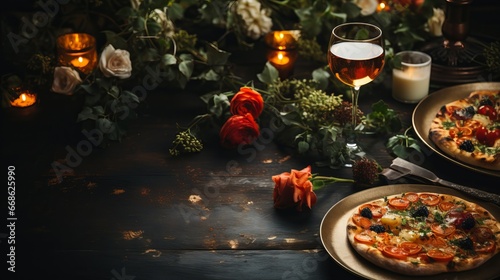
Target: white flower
x=135 y=4
x=115 y=63
x=167 y=25
x=368 y=7
x=257 y=21
x=435 y=23
x=65 y=80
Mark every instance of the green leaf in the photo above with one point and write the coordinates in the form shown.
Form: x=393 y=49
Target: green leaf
x=322 y=77
x=303 y=147
x=351 y=9
x=219 y=105
x=114 y=91
x=168 y=59
x=128 y=96
x=153 y=27
x=186 y=68
x=361 y=34
x=86 y=114
x=211 y=75
x=416 y=146
x=269 y=75
x=215 y=56
x=175 y=11
x=310 y=21
x=98 y=110
x=87 y=88
x=91 y=99
x=126 y=12
x=139 y=24
x=105 y=125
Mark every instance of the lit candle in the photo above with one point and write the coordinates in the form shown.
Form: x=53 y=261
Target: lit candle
x=283 y=40
x=80 y=62
x=280 y=59
x=77 y=50
x=24 y=100
x=410 y=80
x=283 y=61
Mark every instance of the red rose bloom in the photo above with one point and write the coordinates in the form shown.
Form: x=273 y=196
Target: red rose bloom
x=239 y=129
x=294 y=189
x=245 y=101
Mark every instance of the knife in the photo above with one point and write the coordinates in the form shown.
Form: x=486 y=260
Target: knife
x=409 y=168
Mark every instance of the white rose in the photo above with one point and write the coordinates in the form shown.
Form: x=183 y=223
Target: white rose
x=435 y=23
x=135 y=4
x=115 y=63
x=65 y=80
x=166 y=24
x=259 y=27
x=257 y=22
x=368 y=7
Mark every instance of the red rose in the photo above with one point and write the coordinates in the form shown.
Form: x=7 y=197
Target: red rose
x=245 y=101
x=294 y=189
x=239 y=129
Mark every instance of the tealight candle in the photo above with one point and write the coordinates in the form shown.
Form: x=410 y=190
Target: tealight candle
x=382 y=6
x=77 y=50
x=283 y=39
x=411 y=76
x=280 y=59
x=80 y=62
x=24 y=100
x=283 y=61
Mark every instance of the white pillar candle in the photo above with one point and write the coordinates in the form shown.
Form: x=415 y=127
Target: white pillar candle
x=410 y=80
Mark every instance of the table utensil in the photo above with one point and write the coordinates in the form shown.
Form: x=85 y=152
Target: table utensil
x=408 y=168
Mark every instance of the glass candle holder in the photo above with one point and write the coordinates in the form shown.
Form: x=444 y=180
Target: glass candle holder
x=411 y=76
x=283 y=39
x=283 y=61
x=77 y=50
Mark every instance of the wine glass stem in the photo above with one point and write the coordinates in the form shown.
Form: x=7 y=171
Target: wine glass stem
x=351 y=139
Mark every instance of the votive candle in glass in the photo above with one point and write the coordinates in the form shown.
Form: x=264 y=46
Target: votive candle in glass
x=411 y=76
x=77 y=50
x=283 y=61
x=24 y=99
x=282 y=39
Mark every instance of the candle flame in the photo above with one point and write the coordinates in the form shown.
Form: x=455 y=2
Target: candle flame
x=80 y=59
x=23 y=97
x=383 y=6
x=280 y=56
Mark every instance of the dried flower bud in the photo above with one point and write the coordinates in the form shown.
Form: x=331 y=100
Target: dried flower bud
x=365 y=171
x=342 y=114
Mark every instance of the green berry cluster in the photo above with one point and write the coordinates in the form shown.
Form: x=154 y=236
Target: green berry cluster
x=185 y=142
x=316 y=106
x=310 y=49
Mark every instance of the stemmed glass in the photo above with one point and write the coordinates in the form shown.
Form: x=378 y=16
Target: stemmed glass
x=356 y=57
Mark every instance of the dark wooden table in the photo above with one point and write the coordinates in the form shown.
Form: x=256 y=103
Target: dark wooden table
x=130 y=211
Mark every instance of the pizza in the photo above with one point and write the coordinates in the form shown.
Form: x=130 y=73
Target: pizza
x=424 y=233
x=468 y=129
